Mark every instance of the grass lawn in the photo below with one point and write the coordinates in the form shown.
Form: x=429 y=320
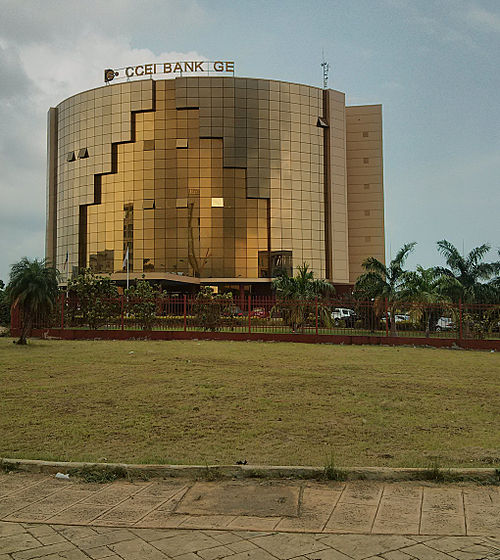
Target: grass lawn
x=269 y=403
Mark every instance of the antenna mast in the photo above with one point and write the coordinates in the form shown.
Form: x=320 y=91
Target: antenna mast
x=326 y=68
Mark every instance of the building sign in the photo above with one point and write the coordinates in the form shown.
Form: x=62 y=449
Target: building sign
x=171 y=69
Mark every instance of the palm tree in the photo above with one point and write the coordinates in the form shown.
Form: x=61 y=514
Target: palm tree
x=299 y=294
x=381 y=282
x=425 y=287
x=468 y=278
x=33 y=288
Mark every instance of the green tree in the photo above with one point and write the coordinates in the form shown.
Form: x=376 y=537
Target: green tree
x=469 y=278
x=298 y=295
x=4 y=305
x=96 y=298
x=424 y=288
x=33 y=288
x=209 y=308
x=381 y=282
x=142 y=303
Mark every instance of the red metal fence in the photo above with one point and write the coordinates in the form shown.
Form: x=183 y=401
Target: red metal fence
x=254 y=316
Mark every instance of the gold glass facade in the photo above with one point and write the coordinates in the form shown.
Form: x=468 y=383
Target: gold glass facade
x=216 y=178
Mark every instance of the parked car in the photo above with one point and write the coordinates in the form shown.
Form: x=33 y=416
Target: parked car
x=445 y=324
x=400 y=317
x=259 y=312
x=344 y=315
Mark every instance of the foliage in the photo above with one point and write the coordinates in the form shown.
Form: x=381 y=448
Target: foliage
x=209 y=308
x=299 y=295
x=96 y=298
x=469 y=278
x=425 y=289
x=97 y=474
x=381 y=282
x=33 y=288
x=142 y=303
x=4 y=306
x=332 y=472
x=482 y=322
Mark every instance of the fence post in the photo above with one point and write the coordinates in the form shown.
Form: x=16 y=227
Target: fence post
x=185 y=320
x=386 y=318
x=316 y=304
x=63 y=301
x=460 y=331
x=121 y=314
x=249 y=315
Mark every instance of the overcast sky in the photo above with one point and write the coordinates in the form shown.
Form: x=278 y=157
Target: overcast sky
x=434 y=65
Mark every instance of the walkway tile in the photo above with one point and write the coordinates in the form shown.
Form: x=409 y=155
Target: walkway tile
x=42 y=551
x=7 y=529
x=315 y=509
x=239 y=498
x=174 y=546
x=329 y=554
x=351 y=518
x=208 y=521
x=243 y=522
x=285 y=546
x=442 y=523
x=423 y=552
x=483 y=519
x=364 y=546
x=137 y=550
x=108 y=538
x=17 y=542
x=362 y=493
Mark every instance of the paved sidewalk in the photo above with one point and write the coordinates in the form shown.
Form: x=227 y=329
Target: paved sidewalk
x=41 y=517
x=25 y=541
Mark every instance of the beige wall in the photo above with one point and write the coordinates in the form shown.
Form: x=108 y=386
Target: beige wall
x=338 y=188
x=365 y=192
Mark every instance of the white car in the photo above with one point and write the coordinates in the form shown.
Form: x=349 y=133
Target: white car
x=344 y=314
x=445 y=324
x=400 y=317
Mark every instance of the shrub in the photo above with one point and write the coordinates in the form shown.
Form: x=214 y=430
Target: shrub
x=142 y=303
x=97 y=298
x=209 y=308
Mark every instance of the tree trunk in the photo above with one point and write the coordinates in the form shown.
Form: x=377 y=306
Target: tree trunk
x=393 y=322
x=428 y=324
x=25 y=330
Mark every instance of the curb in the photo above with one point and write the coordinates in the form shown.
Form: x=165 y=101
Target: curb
x=217 y=472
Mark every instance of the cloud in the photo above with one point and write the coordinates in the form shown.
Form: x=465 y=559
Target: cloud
x=484 y=19
x=47 y=55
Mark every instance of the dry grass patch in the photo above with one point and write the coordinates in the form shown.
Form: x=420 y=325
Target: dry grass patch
x=269 y=403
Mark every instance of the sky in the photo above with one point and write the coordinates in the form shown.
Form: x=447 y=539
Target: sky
x=433 y=65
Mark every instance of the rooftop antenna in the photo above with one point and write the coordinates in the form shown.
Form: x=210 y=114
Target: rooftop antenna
x=326 y=68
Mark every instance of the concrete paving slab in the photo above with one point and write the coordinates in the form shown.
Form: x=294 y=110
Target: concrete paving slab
x=362 y=493
x=174 y=546
x=351 y=518
x=239 y=498
x=137 y=549
x=284 y=546
x=362 y=546
x=17 y=542
x=243 y=522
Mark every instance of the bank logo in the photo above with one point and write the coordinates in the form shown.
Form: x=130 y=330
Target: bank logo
x=109 y=75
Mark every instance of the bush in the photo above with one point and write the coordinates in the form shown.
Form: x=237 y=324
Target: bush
x=142 y=303
x=97 y=299
x=209 y=309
